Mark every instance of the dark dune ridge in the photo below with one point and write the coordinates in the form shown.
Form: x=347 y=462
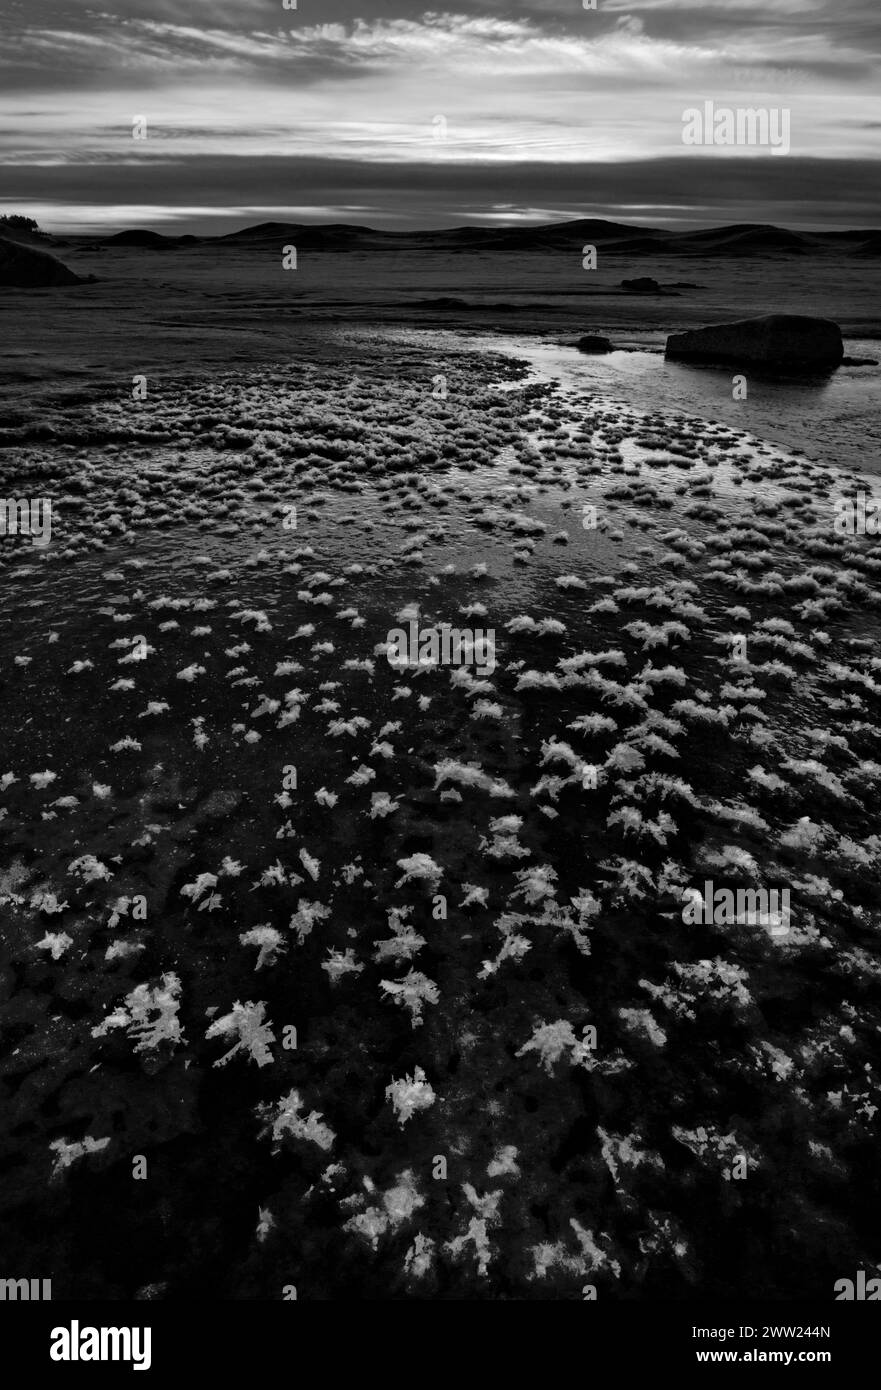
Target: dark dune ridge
x=617 y=238
x=27 y=267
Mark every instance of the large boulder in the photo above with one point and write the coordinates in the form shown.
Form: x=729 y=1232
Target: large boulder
x=776 y=342
x=26 y=267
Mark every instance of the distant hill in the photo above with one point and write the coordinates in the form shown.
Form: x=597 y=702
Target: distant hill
x=596 y=229
x=139 y=236
x=739 y=241
x=308 y=236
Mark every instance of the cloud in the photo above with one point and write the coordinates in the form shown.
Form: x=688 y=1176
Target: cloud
x=519 y=85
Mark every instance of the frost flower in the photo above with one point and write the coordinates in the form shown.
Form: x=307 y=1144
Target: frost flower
x=410 y=1094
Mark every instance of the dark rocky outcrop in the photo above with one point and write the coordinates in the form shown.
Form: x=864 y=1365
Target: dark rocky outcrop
x=592 y=342
x=27 y=267
x=780 y=343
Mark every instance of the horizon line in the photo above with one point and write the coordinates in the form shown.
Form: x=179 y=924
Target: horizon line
x=664 y=227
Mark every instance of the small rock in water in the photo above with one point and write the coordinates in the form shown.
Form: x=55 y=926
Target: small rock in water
x=644 y=284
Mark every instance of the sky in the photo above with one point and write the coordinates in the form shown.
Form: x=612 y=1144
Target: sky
x=388 y=114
